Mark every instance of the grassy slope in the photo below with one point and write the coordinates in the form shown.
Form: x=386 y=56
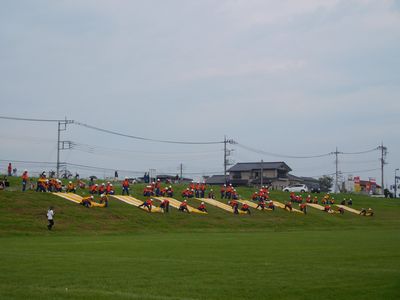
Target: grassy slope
x=123 y=252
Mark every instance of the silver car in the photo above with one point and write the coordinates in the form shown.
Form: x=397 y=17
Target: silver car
x=297 y=188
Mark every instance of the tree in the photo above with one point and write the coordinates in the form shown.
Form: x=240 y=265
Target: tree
x=325 y=183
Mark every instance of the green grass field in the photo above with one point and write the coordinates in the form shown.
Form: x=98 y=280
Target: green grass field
x=122 y=252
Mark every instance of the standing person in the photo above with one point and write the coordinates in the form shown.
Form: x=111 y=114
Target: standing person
x=125 y=186
x=50 y=218
x=9 y=169
x=165 y=205
x=25 y=179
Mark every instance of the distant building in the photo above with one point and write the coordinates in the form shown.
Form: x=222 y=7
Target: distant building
x=274 y=174
x=216 y=180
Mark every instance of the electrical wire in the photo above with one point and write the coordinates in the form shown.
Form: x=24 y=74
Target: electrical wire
x=30 y=119
x=143 y=138
x=281 y=155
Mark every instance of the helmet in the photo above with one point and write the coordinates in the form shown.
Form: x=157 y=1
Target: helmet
x=170 y=186
x=185 y=200
x=110 y=184
x=96 y=184
x=202 y=202
x=70 y=182
x=91 y=197
x=102 y=195
x=103 y=183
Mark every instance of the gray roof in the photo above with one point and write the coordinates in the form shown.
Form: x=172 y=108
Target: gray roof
x=216 y=179
x=257 y=165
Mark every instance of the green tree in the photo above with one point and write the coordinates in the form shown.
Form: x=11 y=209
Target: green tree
x=325 y=183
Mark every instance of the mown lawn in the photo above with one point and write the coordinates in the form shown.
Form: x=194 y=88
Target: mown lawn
x=122 y=252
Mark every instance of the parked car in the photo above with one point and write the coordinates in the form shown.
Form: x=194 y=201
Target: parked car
x=297 y=188
x=314 y=188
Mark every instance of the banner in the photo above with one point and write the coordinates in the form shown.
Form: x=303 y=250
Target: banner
x=357 y=187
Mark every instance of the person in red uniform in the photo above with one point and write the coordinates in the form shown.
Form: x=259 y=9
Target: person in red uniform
x=165 y=205
x=202 y=190
x=102 y=189
x=261 y=204
x=9 y=169
x=303 y=207
x=271 y=205
x=125 y=186
x=202 y=207
x=223 y=190
x=25 y=179
x=170 y=192
x=148 y=204
x=288 y=206
x=245 y=208
x=183 y=207
x=235 y=206
x=158 y=187
x=93 y=189
x=109 y=189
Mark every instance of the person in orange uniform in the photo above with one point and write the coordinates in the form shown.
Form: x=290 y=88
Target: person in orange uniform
x=223 y=190
x=202 y=190
x=104 y=199
x=125 y=186
x=261 y=204
x=109 y=189
x=25 y=179
x=170 y=192
x=71 y=187
x=87 y=201
x=288 y=206
x=165 y=205
x=245 y=208
x=93 y=189
x=271 y=205
x=235 y=206
x=183 y=207
x=202 y=207
x=148 y=204
x=303 y=207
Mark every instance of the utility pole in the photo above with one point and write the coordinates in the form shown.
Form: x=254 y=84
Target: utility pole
x=227 y=152
x=262 y=175
x=62 y=145
x=336 y=169
x=395 y=182
x=383 y=163
x=181 y=167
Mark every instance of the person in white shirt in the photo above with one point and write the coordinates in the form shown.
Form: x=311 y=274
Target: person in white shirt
x=50 y=218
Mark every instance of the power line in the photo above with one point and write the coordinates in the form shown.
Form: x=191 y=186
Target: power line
x=361 y=152
x=281 y=155
x=143 y=138
x=113 y=132
x=30 y=119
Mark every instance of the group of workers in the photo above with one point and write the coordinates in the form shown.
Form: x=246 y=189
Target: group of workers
x=89 y=201
x=104 y=188
x=228 y=192
x=155 y=189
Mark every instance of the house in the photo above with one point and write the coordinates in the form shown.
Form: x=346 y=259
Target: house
x=215 y=180
x=273 y=173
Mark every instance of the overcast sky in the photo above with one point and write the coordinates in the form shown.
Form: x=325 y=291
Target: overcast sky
x=289 y=77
